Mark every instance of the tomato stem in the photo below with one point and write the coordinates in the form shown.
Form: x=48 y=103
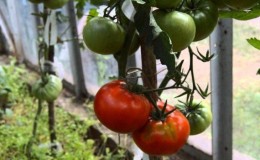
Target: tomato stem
x=122 y=55
x=180 y=6
x=109 y=9
x=157 y=114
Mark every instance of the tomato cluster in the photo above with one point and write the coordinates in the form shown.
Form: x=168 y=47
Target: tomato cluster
x=184 y=23
x=193 y=20
x=157 y=129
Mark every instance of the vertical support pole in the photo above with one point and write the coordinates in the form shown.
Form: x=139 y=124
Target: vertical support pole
x=75 y=55
x=221 y=84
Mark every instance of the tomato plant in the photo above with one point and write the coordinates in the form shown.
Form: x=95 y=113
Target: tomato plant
x=199 y=116
x=48 y=88
x=240 y=4
x=205 y=16
x=55 y=4
x=163 y=136
x=119 y=109
x=179 y=26
x=103 y=35
x=166 y=4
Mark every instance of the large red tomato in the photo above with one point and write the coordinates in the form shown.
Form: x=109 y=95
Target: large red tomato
x=163 y=137
x=119 y=109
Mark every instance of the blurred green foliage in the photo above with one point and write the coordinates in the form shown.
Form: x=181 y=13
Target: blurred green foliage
x=246 y=117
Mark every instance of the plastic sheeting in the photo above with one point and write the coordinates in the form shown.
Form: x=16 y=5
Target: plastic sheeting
x=98 y=69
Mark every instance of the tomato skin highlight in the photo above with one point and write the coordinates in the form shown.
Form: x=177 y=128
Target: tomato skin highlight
x=119 y=109
x=163 y=137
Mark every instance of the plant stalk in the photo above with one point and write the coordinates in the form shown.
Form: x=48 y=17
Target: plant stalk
x=149 y=74
x=49 y=55
x=149 y=68
x=122 y=55
x=35 y=126
x=51 y=113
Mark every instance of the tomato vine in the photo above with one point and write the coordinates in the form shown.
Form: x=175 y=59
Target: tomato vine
x=158 y=41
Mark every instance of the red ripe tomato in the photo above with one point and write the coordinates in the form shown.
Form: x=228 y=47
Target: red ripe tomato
x=163 y=137
x=119 y=109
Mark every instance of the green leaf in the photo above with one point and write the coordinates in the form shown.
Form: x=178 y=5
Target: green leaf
x=92 y=13
x=154 y=36
x=203 y=58
x=203 y=93
x=240 y=15
x=80 y=4
x=258 y=72
x=162 y=50
x=254 y=42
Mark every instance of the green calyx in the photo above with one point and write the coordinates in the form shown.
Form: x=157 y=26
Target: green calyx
x=159 y=114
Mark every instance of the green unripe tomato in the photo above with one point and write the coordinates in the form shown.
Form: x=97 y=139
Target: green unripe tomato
x=55 y=4
x=199 y=116
x=205 y=16
x=103 y=36
x=47 y=90
x=179 y=26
